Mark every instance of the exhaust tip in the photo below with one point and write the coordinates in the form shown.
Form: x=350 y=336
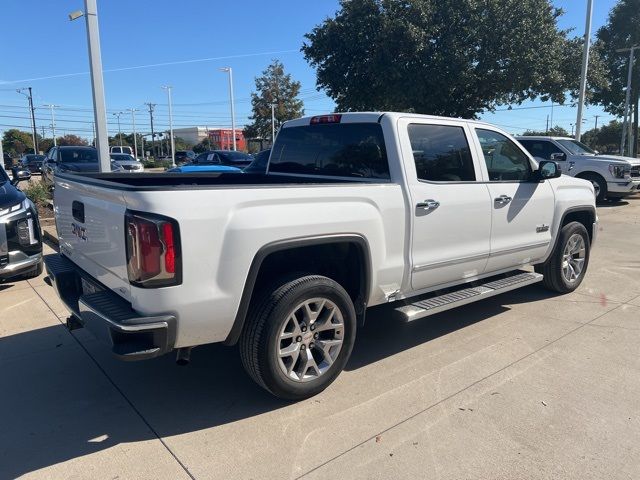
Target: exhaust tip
x=183 y=356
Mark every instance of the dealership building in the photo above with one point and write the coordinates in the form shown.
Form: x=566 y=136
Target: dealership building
x=221 y=136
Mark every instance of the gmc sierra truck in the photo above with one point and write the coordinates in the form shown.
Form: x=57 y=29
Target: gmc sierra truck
x=355 y=210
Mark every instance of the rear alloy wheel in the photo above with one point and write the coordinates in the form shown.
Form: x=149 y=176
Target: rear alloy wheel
x=299 y=336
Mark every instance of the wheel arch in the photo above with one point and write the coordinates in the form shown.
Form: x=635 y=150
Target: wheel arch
x=586 y=215
x=271 y=252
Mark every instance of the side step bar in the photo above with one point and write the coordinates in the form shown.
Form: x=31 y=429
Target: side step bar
x=456 y=298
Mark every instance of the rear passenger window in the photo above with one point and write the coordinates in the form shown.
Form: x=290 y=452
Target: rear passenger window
x=336 y=150
x=441 y=153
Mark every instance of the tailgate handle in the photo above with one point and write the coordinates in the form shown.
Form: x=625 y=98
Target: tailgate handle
x=77 y=210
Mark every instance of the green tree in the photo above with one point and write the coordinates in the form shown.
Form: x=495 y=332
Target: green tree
x=274 y=86
x=205 y=145
x=44 y=144
x=556 y=131
x=446 y=57
x=621 y=31
x=16 y=142
x=71 y=139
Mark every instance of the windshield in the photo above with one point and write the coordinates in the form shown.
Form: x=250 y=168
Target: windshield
x=121 y=157
x=232 y=156
x=85 y=155
x=576 y=148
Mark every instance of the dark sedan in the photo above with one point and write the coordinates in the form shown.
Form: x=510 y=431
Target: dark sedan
x=32 y=162
x=224 y=157
x=71 y=159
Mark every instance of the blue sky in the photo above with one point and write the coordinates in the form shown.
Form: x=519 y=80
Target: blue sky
x=41 y=48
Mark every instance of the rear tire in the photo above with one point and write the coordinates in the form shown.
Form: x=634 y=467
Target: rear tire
x=299 y=336
x=565 y=269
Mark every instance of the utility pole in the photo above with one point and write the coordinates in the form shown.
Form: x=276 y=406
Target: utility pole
x=627 y=101
x=97 y=83
x=32 y=110
x=572 y=125
x=273 y=123
x=585 y=67
x=547 y=124
x=135 y=138
x=153 y=135
x=53 y=123
x=229 y=70
x=173 y=147
x=119 y=133
x=596 y=125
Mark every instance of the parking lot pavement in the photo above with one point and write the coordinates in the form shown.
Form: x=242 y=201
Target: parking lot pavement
x=523 y=385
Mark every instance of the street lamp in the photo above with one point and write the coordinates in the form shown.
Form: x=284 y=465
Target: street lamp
x=119 y=134
x=97 y=84
x=585 y=67
x=53 y=123
x=135 y=138
x=33 y=117
x=173 y=147
x=233 y=113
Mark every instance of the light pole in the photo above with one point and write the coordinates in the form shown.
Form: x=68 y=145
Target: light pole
x=135 y=138
x=627 y=102
x=233 y=113
x=119 y=134
x=34 y=133
x=585 y=67
x=97 y=84
x=53 y=123
x=173 y=147
x=273 y=124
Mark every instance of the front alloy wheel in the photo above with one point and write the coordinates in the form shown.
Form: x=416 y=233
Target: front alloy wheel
x=573 y=258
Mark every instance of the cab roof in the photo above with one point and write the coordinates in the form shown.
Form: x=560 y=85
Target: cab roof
x=371 y=117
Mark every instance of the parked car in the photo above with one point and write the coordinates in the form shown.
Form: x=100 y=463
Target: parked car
x=127 y=162
x=20 y=238
x=613 y=177
x=190 y=168
x=123 y=150
x=32 y=162
x=184 y=156
x=357 y=210
x=224 y=157
x=259 y=163
x=71 y=159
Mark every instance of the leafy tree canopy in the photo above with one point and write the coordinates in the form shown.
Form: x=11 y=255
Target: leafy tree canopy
x=205 y=145
x=556 y=131
x=70 y=139
x=274 y=86
x=445 y=57
x=16 y=142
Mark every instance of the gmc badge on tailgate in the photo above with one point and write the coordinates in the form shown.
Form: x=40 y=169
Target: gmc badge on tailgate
x=79 y=231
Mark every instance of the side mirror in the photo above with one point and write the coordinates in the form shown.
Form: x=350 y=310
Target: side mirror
x=558 y=157
x=548 y=169
x=20 y=175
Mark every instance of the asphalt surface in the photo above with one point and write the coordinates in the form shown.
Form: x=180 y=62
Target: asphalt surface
x=526 y=385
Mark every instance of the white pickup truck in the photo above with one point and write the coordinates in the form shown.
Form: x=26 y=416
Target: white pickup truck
x=355 y=210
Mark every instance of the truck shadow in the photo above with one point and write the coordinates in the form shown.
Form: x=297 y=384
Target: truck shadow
x=60 y=404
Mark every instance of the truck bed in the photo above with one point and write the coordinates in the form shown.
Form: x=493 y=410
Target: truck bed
x=167 y=181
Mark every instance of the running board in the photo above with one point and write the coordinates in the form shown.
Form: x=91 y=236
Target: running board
x=436 y=304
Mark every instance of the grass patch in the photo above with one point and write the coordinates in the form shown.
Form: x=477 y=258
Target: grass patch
x=38 y=193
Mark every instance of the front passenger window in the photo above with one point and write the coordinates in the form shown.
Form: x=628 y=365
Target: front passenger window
x=505 y=161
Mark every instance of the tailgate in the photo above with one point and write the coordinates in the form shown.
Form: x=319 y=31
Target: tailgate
x=90 y=223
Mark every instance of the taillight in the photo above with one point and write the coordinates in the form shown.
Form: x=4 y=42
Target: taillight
x=333 y=118
x=153 y=244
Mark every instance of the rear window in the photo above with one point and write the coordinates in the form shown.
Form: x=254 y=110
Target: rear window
x=88 y=155
x=335 y=150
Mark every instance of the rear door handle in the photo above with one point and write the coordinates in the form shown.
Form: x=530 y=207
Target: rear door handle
x=502 y=199
x=428 y=205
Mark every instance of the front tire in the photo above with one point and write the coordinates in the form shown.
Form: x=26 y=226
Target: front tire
x=565 y=269
x=599 y=185
x=299 y=336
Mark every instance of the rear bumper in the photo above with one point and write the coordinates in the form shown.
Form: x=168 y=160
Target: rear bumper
x=109 y=317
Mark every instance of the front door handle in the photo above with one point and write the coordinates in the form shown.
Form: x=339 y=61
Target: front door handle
x=428 y=205
x=502 y=199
